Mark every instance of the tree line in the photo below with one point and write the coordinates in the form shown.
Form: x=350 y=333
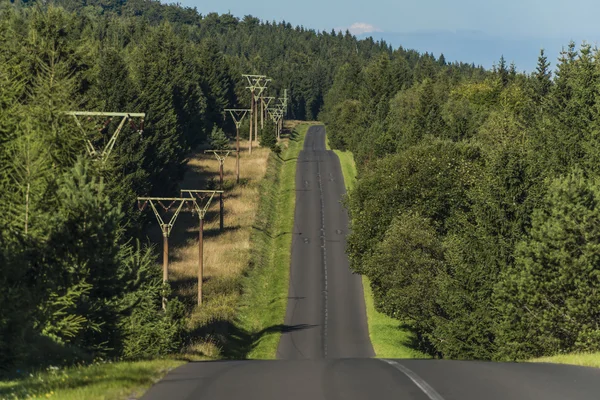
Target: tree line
x=476 y=210
x=77 y=280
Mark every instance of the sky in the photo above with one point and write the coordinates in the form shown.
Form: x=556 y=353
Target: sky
x=516 y=29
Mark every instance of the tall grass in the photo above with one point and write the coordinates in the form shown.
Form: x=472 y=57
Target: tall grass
x=245 y=281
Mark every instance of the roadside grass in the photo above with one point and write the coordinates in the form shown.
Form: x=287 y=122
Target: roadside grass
x=265 y=294
x=226 y=253
x=390 y=339
x=105 y=381
x=581 y=359
x=245 y=283
x=246 y=266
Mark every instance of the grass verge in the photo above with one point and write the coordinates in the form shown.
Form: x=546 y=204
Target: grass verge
x=246 y=279
x=581 y=359
x=388 y=337
x=266 y=288
x=107 y=381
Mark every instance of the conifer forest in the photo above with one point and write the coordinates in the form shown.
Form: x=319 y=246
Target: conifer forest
x=475 y=214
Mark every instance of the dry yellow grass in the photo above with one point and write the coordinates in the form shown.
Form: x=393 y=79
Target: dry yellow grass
x=227 y=253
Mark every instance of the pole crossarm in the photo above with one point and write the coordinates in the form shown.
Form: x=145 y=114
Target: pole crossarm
x=238 y=114
x=267 y=100
x=194 y=195
x=262 y=86
x=275 y=113
x=108 y=148
x=105 y=114
x=166 y=227
x=254 y=81
x=219 y=154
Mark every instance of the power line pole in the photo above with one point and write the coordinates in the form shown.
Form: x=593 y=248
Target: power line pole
x=276 y=115
x=261 y=87
x=252 y=80
x=201 y=209
x=108 y=147
x=282 y=107
x=255 y=83
x=238 y=116
x=165 y=226
x=265 y=101
x=221 y=156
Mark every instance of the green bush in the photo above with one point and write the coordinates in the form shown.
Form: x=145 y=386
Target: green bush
x=550 y=300
x=268 y=136
x=147 y=330
x=405 y=287
x=218 y=140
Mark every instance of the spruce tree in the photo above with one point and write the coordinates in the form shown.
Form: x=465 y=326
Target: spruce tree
x=543 y=77
x=502 y=71
x=550 y=299
x=218 y=140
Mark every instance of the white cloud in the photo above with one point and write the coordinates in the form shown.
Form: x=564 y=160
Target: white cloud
x=358 y=28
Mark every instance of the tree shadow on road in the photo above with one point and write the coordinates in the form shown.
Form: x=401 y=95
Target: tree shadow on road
x=236 y=343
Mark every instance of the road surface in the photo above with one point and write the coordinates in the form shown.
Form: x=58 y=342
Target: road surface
x=326 y=301
x=325 y=352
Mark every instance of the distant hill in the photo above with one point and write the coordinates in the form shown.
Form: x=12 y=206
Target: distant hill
x=479 y=47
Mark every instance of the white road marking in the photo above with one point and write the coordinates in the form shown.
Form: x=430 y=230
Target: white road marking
x=324 y=260
x=421 y=384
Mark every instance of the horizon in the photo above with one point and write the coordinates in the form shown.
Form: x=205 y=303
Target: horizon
x=467 y=31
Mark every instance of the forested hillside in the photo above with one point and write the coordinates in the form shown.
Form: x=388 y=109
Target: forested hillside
x=77 y=281
x=475 y=214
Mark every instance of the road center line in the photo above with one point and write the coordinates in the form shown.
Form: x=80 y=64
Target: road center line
x=421 y=384
x=323 y=259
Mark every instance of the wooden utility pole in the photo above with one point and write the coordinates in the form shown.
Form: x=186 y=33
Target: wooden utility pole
x=256 y=84
x=265 y=101
x=238 y=116
x=165 y=226
x=205 y=197
x=276 y=114
x=261 y=86
x=282 y=110
x=221 y=156
x=251 y=123
x=103 y=154
x=252 y=82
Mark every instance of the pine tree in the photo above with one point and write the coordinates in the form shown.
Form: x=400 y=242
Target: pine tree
x=83 y=262
x=442 y=60
x=543 y=77
x=550 y=299
x=218 y=140
x=503 y=73
x=268 y=136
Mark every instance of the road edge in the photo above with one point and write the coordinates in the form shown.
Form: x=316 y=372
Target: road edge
x=264 y=300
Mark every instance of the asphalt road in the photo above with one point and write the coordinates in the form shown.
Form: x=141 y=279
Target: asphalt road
x=324 y=352
x=326 y=308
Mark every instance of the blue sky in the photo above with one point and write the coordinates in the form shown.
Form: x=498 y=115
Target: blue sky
x=467 y=28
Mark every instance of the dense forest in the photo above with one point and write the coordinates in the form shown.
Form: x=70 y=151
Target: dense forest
x=476 y=214
x=77 y=281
